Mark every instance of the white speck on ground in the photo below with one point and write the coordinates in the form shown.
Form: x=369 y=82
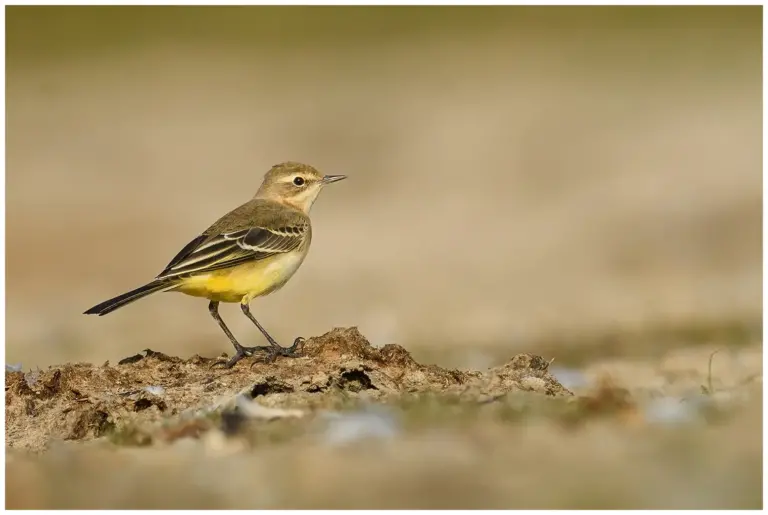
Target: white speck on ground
x=345 y=428
x=155 y=390
x=31 y=378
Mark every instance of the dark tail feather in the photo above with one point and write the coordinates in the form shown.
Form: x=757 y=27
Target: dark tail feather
x=110 y=305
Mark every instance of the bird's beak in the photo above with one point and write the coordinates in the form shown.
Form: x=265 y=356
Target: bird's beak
x=333 y=178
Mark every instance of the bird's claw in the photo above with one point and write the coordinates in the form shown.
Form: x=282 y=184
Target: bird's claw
x=271 y=353
x=242 y=352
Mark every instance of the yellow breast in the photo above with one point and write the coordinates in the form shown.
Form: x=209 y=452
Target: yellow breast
x=244 y=282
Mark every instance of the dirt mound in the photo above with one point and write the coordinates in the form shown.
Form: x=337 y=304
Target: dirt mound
x=157 y=392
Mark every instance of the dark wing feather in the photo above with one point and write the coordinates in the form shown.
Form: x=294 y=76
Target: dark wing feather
x=186 y=251
x=206 y=254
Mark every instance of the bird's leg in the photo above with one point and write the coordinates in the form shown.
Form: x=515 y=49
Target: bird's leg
x=240 y=351
x=274 y=350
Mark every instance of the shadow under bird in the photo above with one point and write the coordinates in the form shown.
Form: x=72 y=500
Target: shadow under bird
x=250 y=252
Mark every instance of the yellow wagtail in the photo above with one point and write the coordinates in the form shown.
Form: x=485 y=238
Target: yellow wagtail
x=251 y=251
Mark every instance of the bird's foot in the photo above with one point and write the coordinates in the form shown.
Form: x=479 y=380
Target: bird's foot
x=294 y=351
x=275 y=350
x=271 y=353
x=240 y=353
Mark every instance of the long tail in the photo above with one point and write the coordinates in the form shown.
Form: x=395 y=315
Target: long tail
x=110 y=305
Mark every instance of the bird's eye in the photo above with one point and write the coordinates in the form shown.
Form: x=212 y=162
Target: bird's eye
x=298 y=181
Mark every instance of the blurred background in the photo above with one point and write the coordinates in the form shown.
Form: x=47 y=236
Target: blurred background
x=514 y=172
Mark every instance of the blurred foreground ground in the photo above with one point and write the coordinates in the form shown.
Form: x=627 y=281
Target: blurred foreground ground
x=578 y=184
x=351 y=426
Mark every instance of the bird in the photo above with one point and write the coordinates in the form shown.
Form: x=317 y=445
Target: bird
x=250 y=252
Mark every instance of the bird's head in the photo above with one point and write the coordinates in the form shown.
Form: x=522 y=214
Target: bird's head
x=295 y=184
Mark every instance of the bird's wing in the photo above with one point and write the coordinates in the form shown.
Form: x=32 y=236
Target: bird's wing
x=209 y=252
